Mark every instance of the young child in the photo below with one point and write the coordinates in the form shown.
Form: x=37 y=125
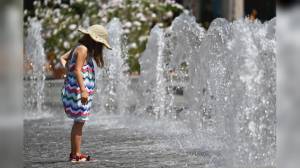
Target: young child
x=78 y=89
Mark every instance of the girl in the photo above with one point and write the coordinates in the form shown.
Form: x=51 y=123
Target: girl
x=78 y=89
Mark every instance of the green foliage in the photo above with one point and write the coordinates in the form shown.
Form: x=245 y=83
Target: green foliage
x=60 y=21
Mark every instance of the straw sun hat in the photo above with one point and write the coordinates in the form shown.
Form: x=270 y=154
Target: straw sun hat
x=98 y=33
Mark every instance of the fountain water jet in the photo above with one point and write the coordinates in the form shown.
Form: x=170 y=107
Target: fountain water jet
x=113 y=80
x=152 y=79
x=34 y=50
x=182 y=49
x=252 y=93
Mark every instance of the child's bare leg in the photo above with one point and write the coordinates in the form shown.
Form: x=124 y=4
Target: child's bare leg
x=73 y=152
x=76 y=135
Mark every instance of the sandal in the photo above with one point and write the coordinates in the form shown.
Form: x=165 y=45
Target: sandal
x=72 y=158
x=80 y=158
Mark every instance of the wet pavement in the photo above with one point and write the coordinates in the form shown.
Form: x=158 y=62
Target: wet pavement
x=114 y=142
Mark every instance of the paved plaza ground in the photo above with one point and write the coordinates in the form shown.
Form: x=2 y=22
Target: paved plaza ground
x=111 y=142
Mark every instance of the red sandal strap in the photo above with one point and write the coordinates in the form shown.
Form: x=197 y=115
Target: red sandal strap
x=83 y=156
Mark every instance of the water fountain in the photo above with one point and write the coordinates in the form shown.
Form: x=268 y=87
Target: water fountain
x=226 y=75
x=35 y=55
x=228 y=83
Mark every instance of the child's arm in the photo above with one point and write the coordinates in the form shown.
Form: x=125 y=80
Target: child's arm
x=64 y=58
x=80 y=60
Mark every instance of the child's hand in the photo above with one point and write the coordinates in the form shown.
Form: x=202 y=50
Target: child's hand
x=84 y=97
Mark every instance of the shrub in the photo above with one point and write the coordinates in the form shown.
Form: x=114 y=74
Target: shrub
x=61 y=19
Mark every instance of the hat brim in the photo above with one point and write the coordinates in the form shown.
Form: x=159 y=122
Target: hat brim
x=99 y=40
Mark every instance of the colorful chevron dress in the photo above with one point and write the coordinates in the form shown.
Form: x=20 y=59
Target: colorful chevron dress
x=71 y=95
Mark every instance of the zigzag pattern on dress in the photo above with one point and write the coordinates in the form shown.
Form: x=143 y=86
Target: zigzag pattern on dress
x=71 y=94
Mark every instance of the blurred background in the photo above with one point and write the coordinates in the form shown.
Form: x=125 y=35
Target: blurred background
x=61 y=18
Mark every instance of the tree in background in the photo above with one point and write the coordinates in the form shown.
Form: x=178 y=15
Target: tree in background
x=60 y=20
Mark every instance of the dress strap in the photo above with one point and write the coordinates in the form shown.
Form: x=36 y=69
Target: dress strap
x=72 y=53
